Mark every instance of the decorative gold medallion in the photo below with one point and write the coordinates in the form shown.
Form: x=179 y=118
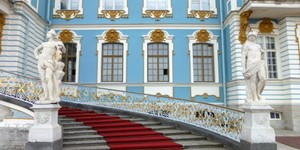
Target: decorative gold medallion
x=158 y=36
x=266 y=26
x=112 y=36
x=244 y=23
x=2 y=23
x=66 y=36
x=202 y=36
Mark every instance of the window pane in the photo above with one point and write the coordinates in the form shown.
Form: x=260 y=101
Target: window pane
x=119 y=4
x=63 y=4
x=112 y=67
x=108 y=5
x=74 y=5
x=158 y=62
x=203 y=64
x=162 y=5
x=151 y=4
x=69 y=58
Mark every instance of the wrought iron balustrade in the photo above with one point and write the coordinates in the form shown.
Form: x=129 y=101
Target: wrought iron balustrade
x=218 y=119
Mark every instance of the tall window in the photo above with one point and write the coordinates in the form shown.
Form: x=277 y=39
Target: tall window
x=268 y=44
x=203 y=62
x=158 y=62
x=112 y=62
x=113 y=4
x=200 y=4
x=69 y=58
x=69 y=5
x=157 y=4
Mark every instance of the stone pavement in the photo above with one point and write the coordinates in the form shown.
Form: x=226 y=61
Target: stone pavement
x=286 y=140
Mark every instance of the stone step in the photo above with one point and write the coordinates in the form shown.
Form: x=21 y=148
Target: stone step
x=84 y=143
x=185 y=137
x=80 y=132
x=207 y=148
x=82 y=137
x=72 y=124
x=148 y=123
x=160 y=127
x=76 y=128
x=66 y=119
x=104 y=147
x=199 y=144
x=174 y=132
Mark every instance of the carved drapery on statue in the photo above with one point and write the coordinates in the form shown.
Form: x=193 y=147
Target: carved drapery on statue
x=244 y=23
x=2 y=23
x=50 y=67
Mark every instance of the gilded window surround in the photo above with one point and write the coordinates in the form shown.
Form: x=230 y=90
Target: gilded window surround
x=68 y=14
x=113 y=14
x=112 y=36
x=202 y=14
x=2 y=23
x=157 y=14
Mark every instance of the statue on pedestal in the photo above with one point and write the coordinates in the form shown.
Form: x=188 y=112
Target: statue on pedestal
x=254 y=68
x=50 y=67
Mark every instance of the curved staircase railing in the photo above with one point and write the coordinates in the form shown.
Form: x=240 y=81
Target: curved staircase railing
x=221 y=120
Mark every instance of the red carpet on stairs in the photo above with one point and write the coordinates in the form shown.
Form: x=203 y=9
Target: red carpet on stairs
x=121 y=134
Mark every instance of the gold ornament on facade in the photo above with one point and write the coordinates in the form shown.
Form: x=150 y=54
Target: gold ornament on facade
x=2 y=23
x=68 y=14
x=112 y=36
x=66 y=36
x=202 y=36
x=244 y=23
x=201 y=15
x=112 y=14
x=157 y=14
x=158 y=36
x=266 y=26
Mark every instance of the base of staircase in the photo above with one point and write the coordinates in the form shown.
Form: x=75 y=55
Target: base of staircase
x=56 y=145
x=245 y=145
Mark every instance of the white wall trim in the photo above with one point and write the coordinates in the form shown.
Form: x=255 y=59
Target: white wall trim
x=16 y=107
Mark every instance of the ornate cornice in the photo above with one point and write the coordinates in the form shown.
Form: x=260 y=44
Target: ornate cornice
x=202 y=36
x=2 y=23
x=158 y=35
x=202 y=15
x=68 y=14
x=112 y=36
x=157 y=14
x=266 y=26
x=66 y=36
x=113 y=14
x=244 y=23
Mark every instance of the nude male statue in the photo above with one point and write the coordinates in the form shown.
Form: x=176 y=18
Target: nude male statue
x=254 y=68
x=49 y=67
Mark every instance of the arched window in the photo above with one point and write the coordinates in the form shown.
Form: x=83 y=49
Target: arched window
x=203 y=62
x=112 y=62
x=158 y=62
x=69 y=58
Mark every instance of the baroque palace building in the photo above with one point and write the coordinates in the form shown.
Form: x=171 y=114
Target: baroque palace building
x=189 y=49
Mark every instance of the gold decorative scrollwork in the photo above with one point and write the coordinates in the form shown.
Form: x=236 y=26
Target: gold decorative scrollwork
x=201 y=15
x=112 y=36
x=2 y=23
x=266 y=26
x=66 y=36
x=112 y=14
x=68 y=14
x=202 y=36
x=158 y=36
x=157 y=14
x=205 y=96
x=244 y=23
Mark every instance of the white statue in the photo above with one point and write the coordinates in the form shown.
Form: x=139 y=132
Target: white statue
x=254 y=68
x=50 y=67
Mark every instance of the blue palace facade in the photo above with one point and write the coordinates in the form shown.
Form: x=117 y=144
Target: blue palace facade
x=188 y=49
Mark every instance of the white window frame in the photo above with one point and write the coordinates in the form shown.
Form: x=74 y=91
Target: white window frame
x=168 y=40
x=275 y=112
x=77 y=41
x=101 y=5
x=37 y=5
x=213 y=6
x=214 y=42
x=169 y=7
x=266 y=53
x=57 y=7
x=101 y=41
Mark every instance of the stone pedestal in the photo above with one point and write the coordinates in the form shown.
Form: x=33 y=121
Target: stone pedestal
x=46 y=133
x=256 y=130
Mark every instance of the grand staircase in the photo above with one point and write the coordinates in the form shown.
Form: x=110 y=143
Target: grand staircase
x=89 y=130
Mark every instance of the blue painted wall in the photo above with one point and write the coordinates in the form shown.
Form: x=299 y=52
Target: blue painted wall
x=227 y=62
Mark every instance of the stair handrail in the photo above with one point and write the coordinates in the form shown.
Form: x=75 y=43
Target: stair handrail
x=218 y=119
